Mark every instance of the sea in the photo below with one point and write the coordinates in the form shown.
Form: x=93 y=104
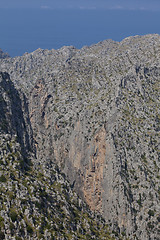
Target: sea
x=25 y=30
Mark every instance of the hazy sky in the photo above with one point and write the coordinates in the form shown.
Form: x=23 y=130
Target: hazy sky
x=24 y=31
x=83 y=4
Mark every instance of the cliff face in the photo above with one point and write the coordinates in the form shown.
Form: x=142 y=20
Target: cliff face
x=36 y=201
x=14 y=113
x=95 y=113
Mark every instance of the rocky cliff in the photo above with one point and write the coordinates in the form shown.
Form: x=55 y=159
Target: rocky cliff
x=36 y=201
x=95 y=113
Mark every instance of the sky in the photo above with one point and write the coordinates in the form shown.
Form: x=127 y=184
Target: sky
x=25 y=28
x=153 y=5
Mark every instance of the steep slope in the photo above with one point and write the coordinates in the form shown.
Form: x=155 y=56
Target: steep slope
x=36 y=202
x=95 y=112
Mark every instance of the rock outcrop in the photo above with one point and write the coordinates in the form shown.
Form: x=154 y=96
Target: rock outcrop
x=95 y=113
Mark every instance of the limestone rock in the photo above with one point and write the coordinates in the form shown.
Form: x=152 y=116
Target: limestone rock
x=96 y=113
x=36 y=201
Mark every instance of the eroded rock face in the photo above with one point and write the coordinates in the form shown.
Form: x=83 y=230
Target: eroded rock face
x=95 y=112
x=36 y=200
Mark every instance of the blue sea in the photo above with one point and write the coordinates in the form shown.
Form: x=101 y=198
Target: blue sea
x=25 y=30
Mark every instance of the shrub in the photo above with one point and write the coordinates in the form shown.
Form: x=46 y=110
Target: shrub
x=13 y=215
x=2 y=236
x=151 y=213
x=150 y=225
x=3 y=178
x=29 y=229
x=18 y=238
x=11 y=227
x=1 y=221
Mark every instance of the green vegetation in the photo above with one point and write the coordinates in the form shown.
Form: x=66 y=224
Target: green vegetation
x=13 y=215
x=151 y=213
x=3 y=179
x=29 y=228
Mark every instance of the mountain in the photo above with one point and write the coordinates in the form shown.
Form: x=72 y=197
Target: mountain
x=94 y=115
x=3 y=55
